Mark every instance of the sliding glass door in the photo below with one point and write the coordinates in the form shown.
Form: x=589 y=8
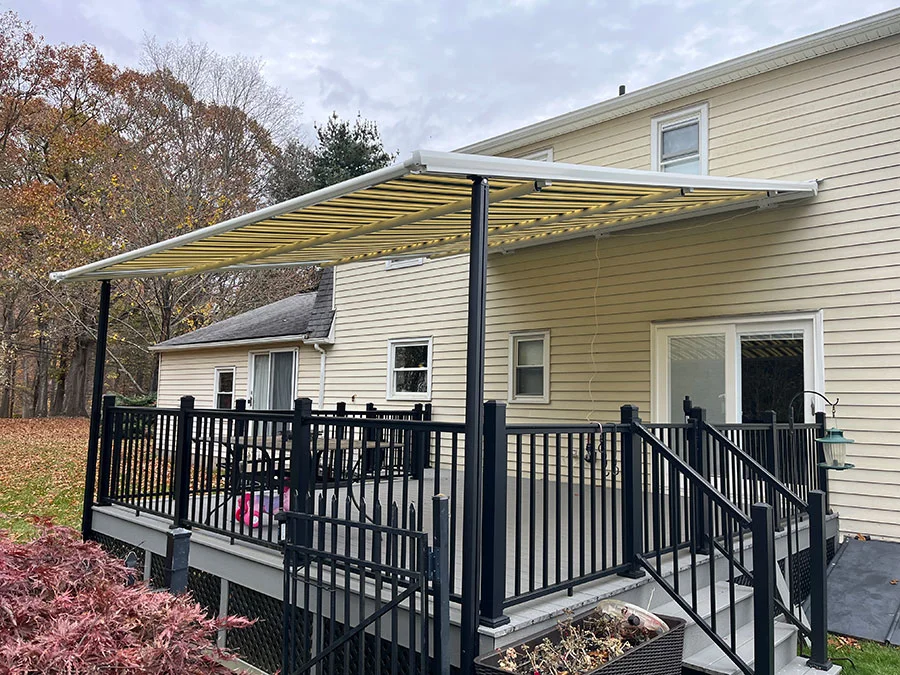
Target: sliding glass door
x=273 y=381
x=736 y=370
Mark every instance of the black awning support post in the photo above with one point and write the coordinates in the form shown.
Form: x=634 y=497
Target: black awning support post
x=90 y=475
x=472 y=487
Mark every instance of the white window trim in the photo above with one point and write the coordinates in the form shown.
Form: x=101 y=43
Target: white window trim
x=392 y=395
x=811 y=323
x=400 y=263
x=514 y=337
x=216 y=392
x=542 y=155
x=251 y=368
x=659 y=123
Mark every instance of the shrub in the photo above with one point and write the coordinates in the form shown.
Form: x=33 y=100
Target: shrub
x=65 y=608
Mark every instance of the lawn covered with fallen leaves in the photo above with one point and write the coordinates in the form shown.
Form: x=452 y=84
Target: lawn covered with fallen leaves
x=41 y=472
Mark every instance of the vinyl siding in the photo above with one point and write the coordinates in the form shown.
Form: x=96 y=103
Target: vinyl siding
x=834 y=118
x=191 y=372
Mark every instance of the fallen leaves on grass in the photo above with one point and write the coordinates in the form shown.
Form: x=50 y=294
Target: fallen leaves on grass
x=41 y=471
x=843 y=642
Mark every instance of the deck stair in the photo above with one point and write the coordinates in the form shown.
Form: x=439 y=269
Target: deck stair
x=701 y=655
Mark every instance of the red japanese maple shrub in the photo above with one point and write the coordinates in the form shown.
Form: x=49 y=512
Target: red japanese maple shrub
x=65 y=608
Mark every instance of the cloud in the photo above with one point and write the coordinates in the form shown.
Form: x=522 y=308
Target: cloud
x=441 y=74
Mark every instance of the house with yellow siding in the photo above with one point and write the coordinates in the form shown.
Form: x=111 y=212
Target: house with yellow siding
x=739 y=310
x=592 y=358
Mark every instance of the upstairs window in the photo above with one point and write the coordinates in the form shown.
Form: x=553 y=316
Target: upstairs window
x=409 y=369
x=679 y=141
x=224 y=393
x=529 y=357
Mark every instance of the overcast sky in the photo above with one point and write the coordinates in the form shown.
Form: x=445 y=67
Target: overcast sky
x=439 y=74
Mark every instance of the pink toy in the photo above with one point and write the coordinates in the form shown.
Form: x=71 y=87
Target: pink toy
x=262 y=502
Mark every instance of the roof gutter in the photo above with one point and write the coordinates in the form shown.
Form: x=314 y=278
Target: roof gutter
x=229 y=343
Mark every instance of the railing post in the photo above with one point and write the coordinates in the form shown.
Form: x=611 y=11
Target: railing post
x=302 y=465
x=819 y=458
x=418 y=445
x=763 y=533
x=178 y=548
x=632 y=504
x=183 y=461
x=370 y=434
x=697 y=457
x=493 y=517
x=90 y=476
x=773 y=463
x=106 y=444
x=818 y=599
x=441 y=583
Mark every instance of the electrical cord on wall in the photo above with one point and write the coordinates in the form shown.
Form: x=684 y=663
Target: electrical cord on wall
x=597 y=277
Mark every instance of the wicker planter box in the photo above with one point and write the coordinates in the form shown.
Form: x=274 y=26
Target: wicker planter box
x=660 y=655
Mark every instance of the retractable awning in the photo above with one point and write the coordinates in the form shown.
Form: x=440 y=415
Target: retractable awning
x=420 y=207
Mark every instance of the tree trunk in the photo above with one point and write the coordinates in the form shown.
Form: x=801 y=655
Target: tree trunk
x=59 y=381
x=75 y=399
x=41 y=373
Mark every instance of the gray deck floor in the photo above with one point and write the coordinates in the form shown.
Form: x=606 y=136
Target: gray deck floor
x=548 y=541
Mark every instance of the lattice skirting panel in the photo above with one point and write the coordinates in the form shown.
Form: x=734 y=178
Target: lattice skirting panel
x=259 y=645
x=120 y=549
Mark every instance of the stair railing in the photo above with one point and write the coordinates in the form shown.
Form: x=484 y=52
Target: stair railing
x=680 y=498
x=745 y=481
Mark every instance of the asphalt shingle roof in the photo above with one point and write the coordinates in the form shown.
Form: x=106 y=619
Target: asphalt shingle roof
x=308 y=314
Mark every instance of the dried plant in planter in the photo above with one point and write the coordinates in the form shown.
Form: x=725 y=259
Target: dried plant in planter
x=65 y=608
x=584 y=645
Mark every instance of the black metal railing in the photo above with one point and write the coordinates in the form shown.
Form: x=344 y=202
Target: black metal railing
x=747 y=482
x=373 y=461
x=562 y=504
x=137 y=458
x=687 y=509
x=357 y=587
x=229 y=471
x=563 y=507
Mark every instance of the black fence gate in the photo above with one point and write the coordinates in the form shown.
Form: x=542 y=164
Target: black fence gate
x=362 y=595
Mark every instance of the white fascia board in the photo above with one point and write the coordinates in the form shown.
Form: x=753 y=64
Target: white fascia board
x=228 y=343
x=337 y=190
x=835 y=39
x=457 y=164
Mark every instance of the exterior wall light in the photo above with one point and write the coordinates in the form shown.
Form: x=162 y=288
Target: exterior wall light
x=834 y=443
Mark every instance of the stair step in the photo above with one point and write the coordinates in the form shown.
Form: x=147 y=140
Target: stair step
x=695 y=637
x=712 y=660
x=798 y=667
x=704 y=607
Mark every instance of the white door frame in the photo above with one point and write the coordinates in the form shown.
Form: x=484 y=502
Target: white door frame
x=809 y=323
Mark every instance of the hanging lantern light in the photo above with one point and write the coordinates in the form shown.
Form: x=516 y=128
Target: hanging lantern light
x=834 y=443
x=834 y=449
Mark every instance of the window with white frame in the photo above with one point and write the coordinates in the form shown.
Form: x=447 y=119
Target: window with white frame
x=679 y=141
x=409 y=369
x=273 y=379
x=529 y=367
x=737 y=369
x=223 y=396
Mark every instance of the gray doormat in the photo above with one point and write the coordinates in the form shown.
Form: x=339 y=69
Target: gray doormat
x=862 y=601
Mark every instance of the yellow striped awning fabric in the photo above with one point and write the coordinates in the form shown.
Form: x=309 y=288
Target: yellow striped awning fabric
x=421 y=208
